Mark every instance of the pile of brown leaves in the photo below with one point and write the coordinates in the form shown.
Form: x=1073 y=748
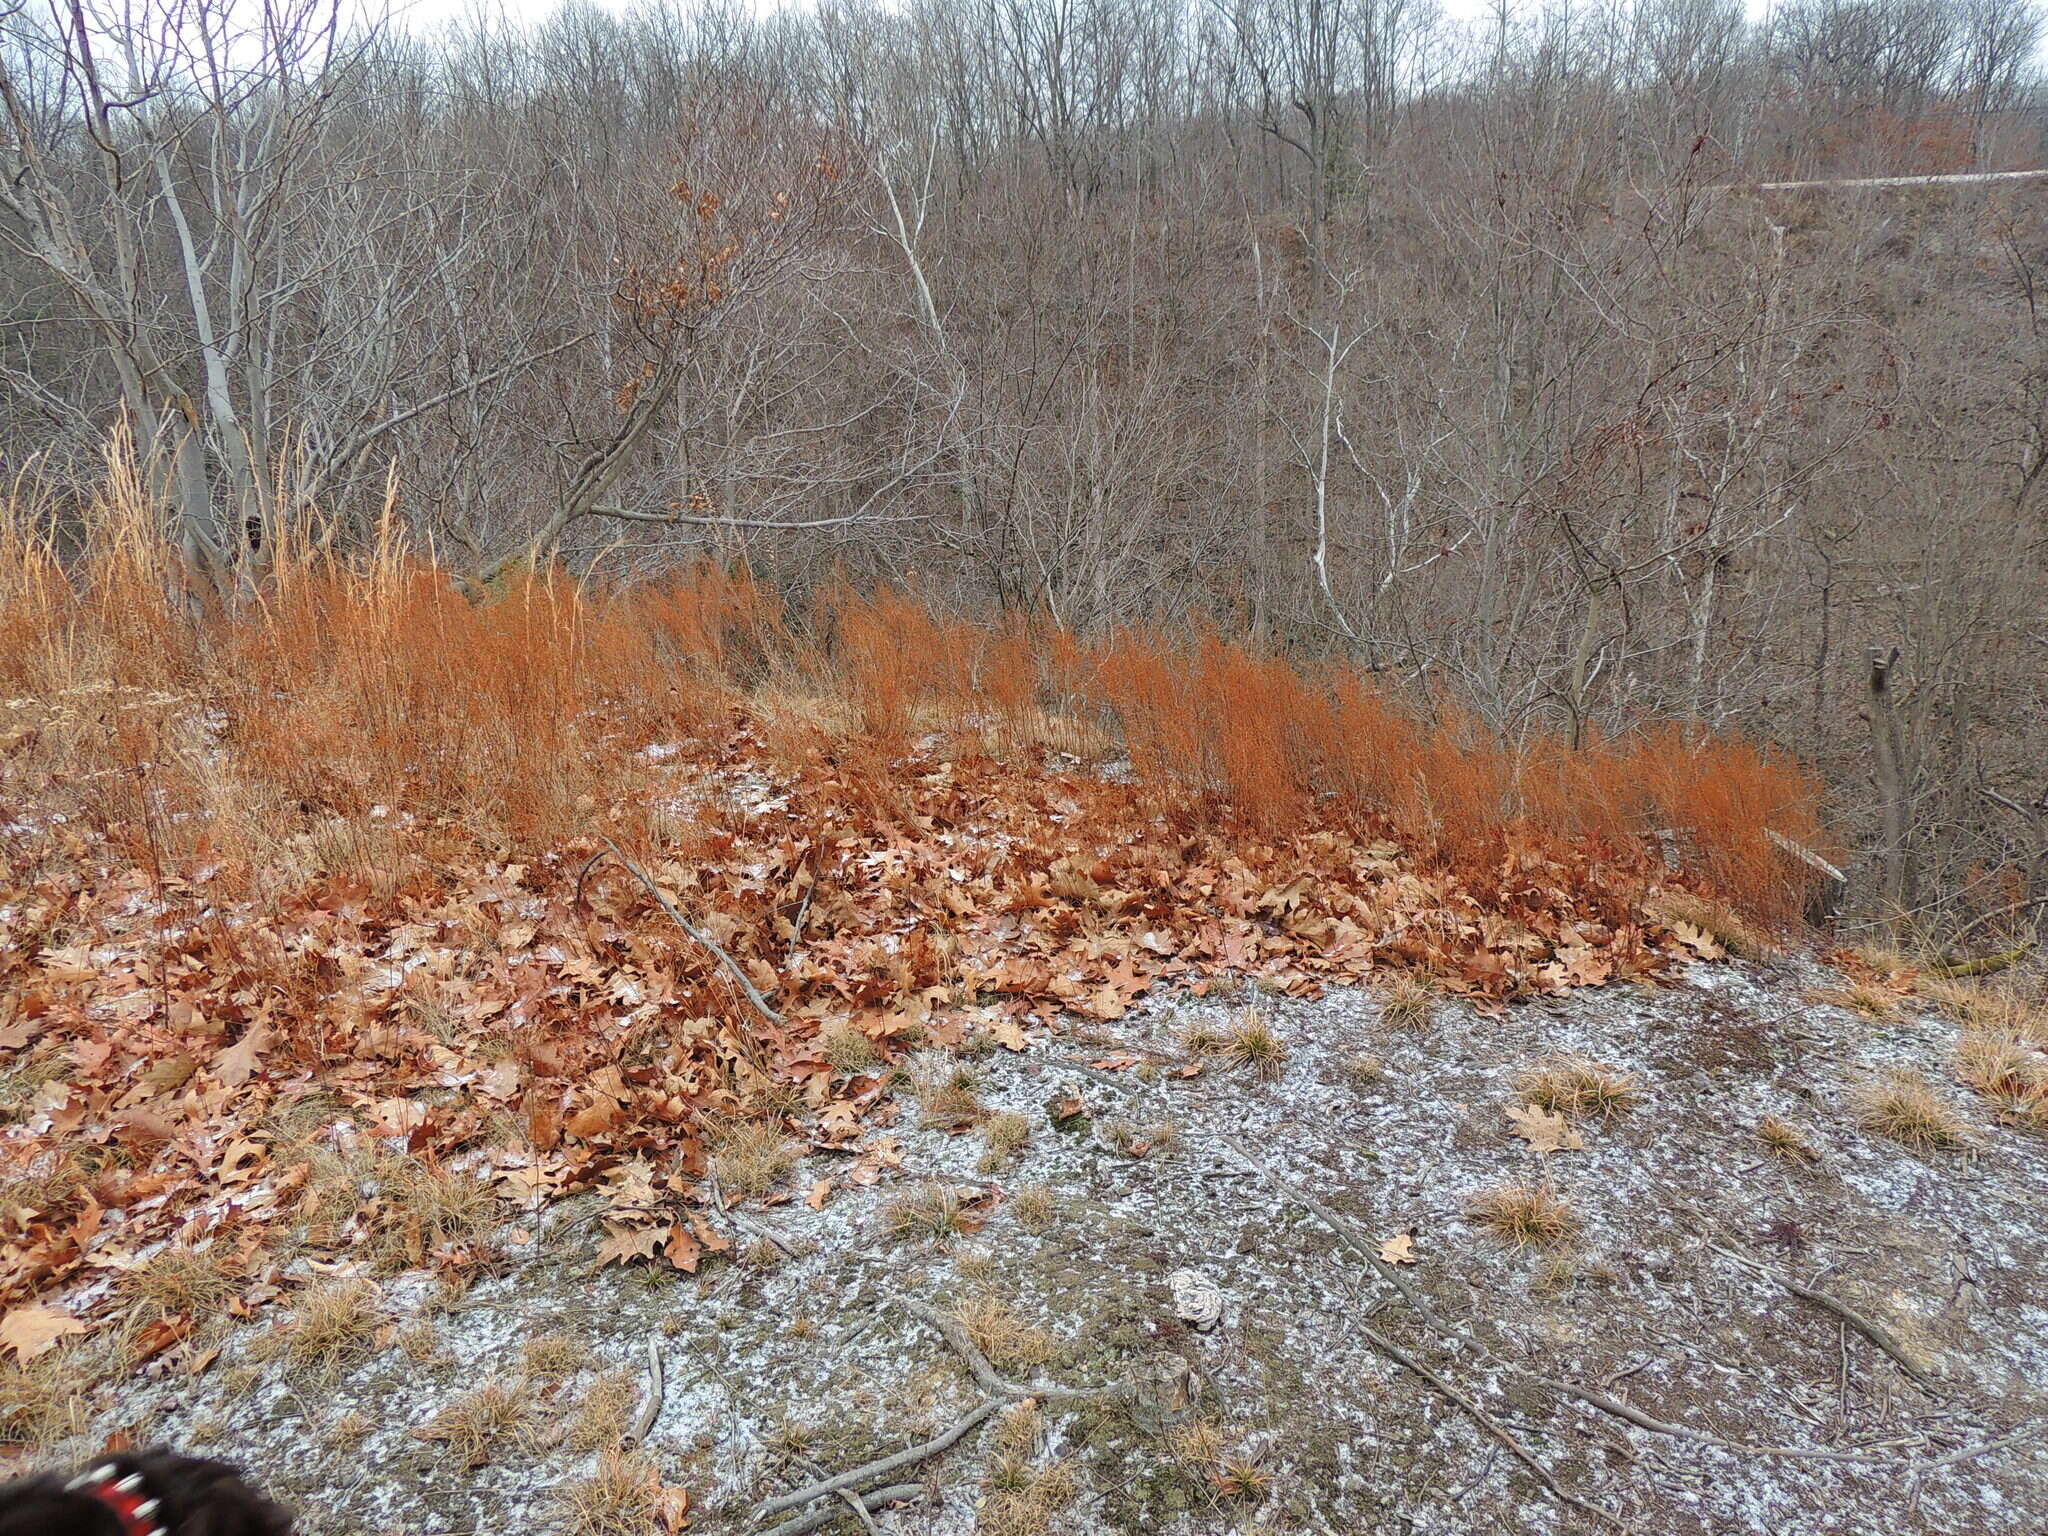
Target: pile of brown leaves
x=542 y=1024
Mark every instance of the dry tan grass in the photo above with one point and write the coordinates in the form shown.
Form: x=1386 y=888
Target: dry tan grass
x=478 y=1424
x=2011 y=1072
x=1019 y=1430
x=423 y=1208
x=1522 y=1214
x=335 y=1325
x=947 y=1102
x=418 y=1342
x=45 y=1401
x=1871 y=999
x=1365 y=1071
x=1000 y=1332
x=1574 y=1087
x=1005 y=1135
x=1406 y=1002
x=931 y=1214
x=619 y=1498
x=1241 y=1477
x=1033 y=1207
x=848 y=1050
x=1785 y=1139
x=1253 y=1044
x=350 y=1429
x=1198 y=1446
x=1717 y=920
x=751 y=1158
x=1022 y=1500
x=1904 y=1106
x=1884 y=959
x=1203 y=1039
x=605 y=1414
x=553 y=1356
x=180 y=1280
x=1988 y=1009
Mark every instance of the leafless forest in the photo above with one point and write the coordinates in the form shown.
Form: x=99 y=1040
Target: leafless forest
x=1484 y=356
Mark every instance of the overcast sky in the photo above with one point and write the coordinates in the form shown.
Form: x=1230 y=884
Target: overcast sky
x=429 y=14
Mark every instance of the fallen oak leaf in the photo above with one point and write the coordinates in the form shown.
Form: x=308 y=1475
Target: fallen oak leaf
x=1699 y=941
x=1545 y=1130
x=35 y=1329
x=1398 y=1249
x=816 y=1198
x=682 y=1249
x=626 y=1244
x=234 y=1065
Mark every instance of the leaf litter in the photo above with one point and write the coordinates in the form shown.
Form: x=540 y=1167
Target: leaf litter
x=204 y=1060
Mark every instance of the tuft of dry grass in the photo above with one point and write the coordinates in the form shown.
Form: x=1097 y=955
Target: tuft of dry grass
x=1000 y=1332
x=1203 y=1039
x=418 y=1343
x=846 y=1049
x=948 y=1103
x=553 y=1356
x=480 y=1423
x=751 y=1158
x=44 y=1401
x=605 y=1414
x=1869 y=998
x=1786 y=1140
x=1220 y=1460
x=336 y=1325
x=2009 y=1071
x=1904 y=1106
x=1406 y=1002
x=180 y=1280
x=1199 y=1445
x=931 y=1214
x=1033 y=1207
x=1574 y=1087
x=1022 y=1500
x=351 y=1429
x=1716 y=919
x=1365 y=1071
x=1019 y=1430
x=1522 y=1214
x=621 y=1497
x=1987 y=1009
x=1253 y=1044
x=1881 y=959
x=422 y=1208
x=1005 y=1135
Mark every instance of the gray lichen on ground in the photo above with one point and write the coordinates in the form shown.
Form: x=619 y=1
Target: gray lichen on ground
x=1668 y=1299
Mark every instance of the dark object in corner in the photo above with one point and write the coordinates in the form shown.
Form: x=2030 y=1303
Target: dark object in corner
x=150 y=1493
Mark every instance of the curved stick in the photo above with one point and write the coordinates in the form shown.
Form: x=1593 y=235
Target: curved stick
x=731 y=965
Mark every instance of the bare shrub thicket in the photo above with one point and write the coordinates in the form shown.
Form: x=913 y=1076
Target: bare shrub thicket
x=1475 y=358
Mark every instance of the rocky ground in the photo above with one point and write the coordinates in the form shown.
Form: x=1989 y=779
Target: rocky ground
x=1701 y=1332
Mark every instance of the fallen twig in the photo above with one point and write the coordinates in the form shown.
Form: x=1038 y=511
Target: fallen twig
x=1487 y=1422
x=1875 y=1332
x=871 y=1471
x=1643 y=1420
x=1359 y=1241
x=1981 y=965
x=731 y=965
x=948 y=1328
x=650 y=1410
x=1001 y=1394
x=897 y=1493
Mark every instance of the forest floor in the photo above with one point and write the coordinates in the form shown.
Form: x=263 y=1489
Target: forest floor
x=1709 y=1331
x=598 y=1101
